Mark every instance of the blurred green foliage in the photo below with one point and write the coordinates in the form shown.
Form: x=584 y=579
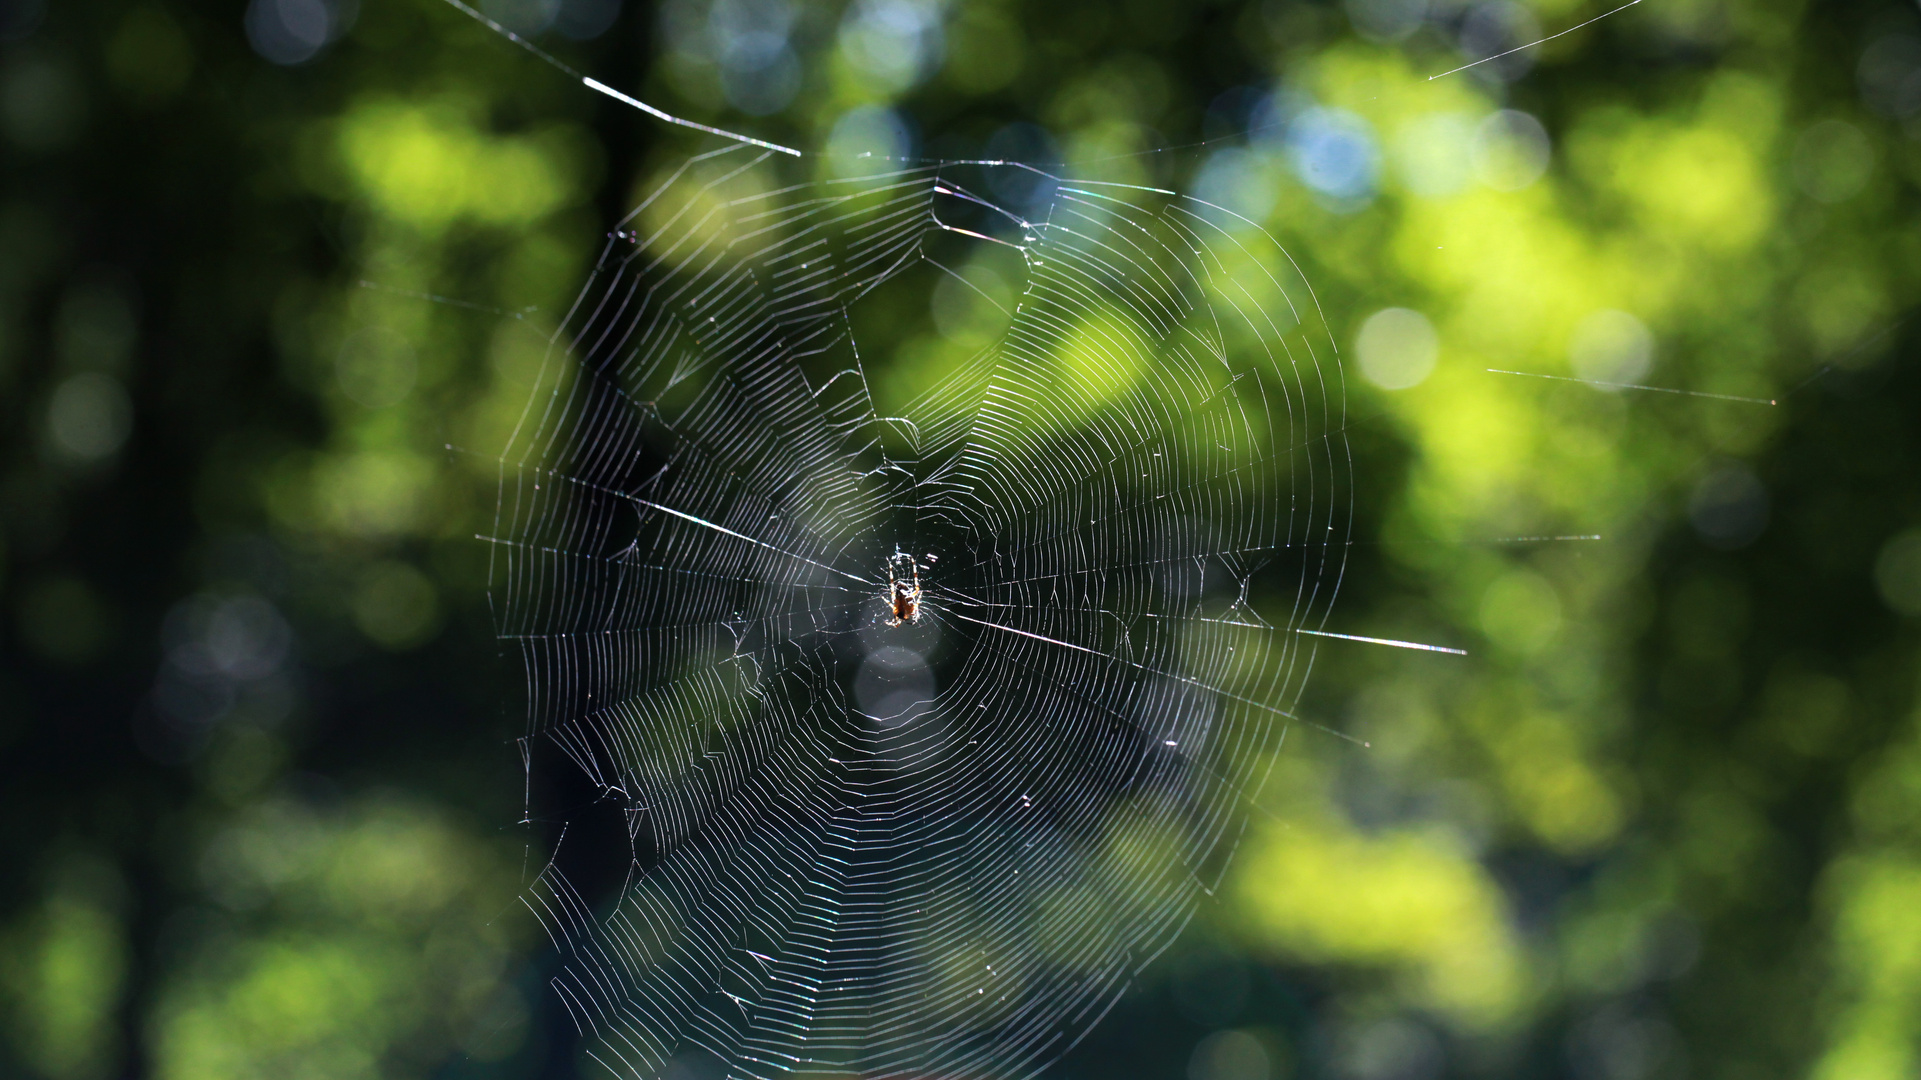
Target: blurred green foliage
x=275 y=280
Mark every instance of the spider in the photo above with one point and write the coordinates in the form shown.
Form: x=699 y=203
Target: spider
x=903 y=593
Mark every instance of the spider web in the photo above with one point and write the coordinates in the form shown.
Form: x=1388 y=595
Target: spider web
x=943 y=848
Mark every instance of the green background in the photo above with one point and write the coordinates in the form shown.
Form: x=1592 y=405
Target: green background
x=1664 y=820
